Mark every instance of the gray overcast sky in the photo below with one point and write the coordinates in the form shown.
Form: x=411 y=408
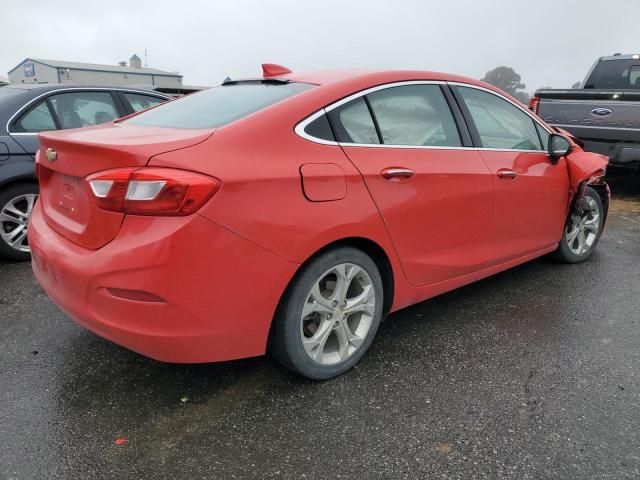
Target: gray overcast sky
x=548 y=42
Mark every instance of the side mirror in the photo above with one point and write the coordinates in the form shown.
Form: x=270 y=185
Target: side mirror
x=558 y=147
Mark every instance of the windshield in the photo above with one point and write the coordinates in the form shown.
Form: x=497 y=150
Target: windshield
x=219 y=105
x=615 y=74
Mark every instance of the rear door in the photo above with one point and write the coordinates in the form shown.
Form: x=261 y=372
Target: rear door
x=531 y=194
x=434 y=195
x=136 y=101
x=37 y=118
x=61 y=111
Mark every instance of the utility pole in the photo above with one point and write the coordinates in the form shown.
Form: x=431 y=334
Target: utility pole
x=145 y=58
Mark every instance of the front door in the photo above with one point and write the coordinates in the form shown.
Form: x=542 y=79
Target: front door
x=531 y=193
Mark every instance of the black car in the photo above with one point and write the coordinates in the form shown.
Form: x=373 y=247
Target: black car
x=26 y=110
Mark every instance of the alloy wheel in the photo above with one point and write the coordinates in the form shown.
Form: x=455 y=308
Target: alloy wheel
x=582 y=230
x=337 y=314
x=14 y=219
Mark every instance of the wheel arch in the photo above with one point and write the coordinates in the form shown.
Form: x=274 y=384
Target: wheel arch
x=26 y=179
x=379 y=257
x=603 y=192
x=369 y=247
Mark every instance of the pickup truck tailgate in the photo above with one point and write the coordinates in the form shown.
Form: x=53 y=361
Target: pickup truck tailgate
x=588 y=114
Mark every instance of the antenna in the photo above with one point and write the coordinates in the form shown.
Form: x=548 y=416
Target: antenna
x=273 y=70
x=145 y=58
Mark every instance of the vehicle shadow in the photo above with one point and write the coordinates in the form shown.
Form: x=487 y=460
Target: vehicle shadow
x=463 y=345
x=96 y=375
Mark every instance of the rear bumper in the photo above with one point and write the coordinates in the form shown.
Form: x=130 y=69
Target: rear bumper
x=176 y=289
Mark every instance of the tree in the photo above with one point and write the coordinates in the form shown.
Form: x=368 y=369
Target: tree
x=523 y=97
x=506 y=79
x=576 y=85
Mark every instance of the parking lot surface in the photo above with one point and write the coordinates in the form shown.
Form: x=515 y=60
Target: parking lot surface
x=533 y=373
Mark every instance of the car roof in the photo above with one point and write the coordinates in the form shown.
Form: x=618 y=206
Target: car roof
x=374 y=76
x=48 y=87
x=629 y=56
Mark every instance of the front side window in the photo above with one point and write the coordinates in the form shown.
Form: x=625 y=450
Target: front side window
x=38 y=119
x=416 y=115
x=544 y=136
x=141 y=102
x=500 y=124
x=634 y=76
x=218 y=106
x=83 y=109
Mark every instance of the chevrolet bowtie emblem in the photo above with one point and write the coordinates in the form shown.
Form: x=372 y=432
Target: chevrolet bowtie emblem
x=52 y=155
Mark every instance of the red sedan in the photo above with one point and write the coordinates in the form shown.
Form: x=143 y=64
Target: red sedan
x=290 y=213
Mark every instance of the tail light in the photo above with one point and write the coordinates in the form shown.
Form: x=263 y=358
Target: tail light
x=534 y=104
x=151 y=191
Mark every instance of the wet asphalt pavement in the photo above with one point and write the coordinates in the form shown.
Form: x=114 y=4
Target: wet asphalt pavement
x=531 y=374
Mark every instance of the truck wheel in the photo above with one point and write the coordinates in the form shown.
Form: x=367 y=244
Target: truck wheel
x=582 y=231
x=329 y=315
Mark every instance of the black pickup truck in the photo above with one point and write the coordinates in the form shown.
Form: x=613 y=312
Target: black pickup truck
x=604 y=113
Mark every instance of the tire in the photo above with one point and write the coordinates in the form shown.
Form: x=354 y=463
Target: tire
x=582 y=232
x=16 y=205
x=328 y=340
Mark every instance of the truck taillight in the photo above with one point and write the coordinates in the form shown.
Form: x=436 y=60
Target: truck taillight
x=151 y=191
x=534 y=103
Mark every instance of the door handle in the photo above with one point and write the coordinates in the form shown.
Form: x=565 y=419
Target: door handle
x=507 y=173
x=397 y=173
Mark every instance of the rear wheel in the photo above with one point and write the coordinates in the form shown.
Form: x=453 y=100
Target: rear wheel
x=16 y=205
x=329 y=315
x=582 y=230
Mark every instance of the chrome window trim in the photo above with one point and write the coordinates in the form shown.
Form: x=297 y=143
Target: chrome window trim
x=71 y=89
x=299 y=128
x=518 y=105
x=560 y=125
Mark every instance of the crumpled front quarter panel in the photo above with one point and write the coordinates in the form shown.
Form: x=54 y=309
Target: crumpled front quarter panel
x=584 y=165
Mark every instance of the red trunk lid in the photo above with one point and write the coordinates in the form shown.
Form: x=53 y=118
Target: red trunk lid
x=66 y=158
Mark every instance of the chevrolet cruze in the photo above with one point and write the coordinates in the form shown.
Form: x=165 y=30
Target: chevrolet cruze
x=291 y=212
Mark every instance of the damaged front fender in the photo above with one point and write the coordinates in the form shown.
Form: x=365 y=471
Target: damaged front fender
x=586 y=168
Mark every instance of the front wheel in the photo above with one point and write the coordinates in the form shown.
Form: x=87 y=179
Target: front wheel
x=582 y=230
x=329 y=315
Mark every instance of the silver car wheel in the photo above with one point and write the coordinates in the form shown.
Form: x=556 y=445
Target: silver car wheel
x=14 y=219
x=337 y=314
x=582 y=230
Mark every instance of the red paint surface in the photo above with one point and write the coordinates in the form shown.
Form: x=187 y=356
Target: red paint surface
x=204 y=287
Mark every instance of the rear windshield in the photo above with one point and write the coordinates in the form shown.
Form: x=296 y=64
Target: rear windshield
x=219 y=105
x=615 y=74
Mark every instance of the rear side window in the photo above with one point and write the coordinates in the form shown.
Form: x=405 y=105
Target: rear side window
x=500 y=124
x=354 y=124
x=38 y=119
x=416 y=115
x=83 y=109
x=219 y=105
x=614 y=74
x=141 y=102
x=320 y=128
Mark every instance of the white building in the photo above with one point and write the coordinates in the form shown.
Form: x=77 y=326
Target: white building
x=38 y=70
